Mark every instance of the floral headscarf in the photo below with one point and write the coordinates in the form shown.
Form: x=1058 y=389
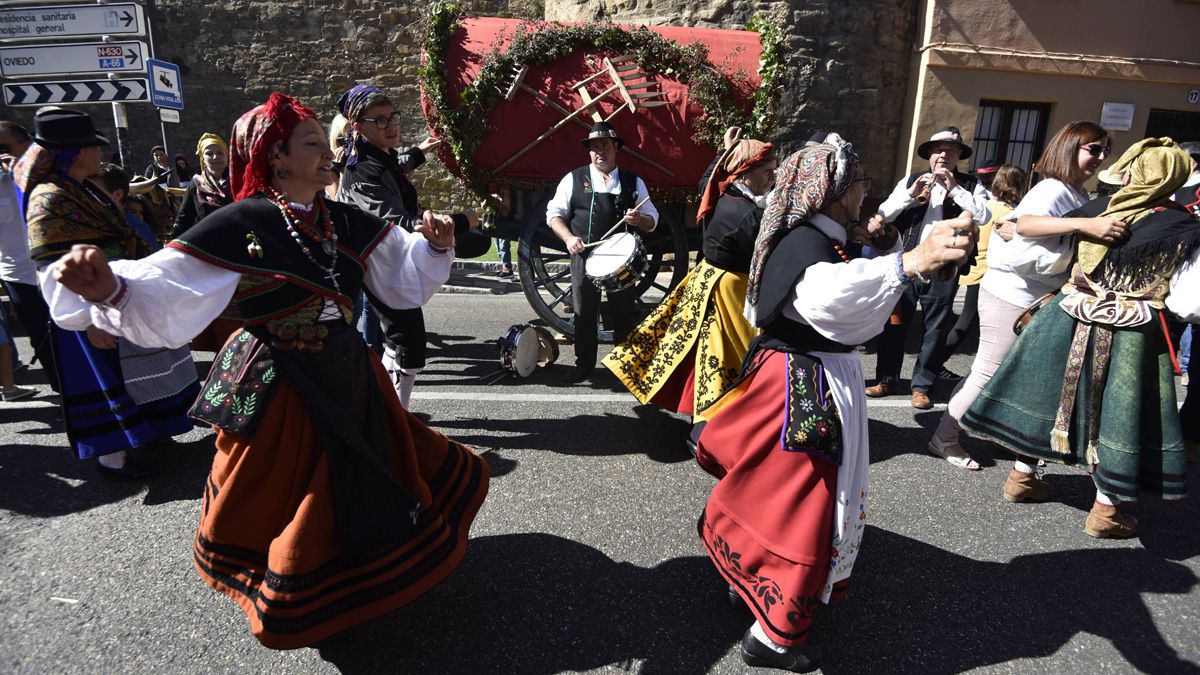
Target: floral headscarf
x=351 y=104
x=737 y=160
x=805 y=183
x=253 y=135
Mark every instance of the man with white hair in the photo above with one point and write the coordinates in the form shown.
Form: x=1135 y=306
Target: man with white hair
x=919 y=200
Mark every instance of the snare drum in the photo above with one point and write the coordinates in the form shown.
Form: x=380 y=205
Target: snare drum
x=618 y=263
x=520 y=349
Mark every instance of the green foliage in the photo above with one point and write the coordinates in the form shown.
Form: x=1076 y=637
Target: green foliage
x=540 y=42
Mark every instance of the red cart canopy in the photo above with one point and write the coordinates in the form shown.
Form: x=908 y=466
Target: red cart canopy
x=663 y=134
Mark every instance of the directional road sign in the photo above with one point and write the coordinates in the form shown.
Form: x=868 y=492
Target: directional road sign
x=73 y=59
x=166 y=91
x=89 y=91
x=71 y=21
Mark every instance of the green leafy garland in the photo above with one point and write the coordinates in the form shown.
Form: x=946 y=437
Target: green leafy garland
x=540 y=42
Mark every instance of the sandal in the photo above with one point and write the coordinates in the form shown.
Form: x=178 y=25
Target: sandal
x=953 y=453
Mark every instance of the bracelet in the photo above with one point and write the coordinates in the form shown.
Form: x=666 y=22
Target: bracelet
x=437 y=250
x=917 y=268
x=119 y=295
x=900 y=269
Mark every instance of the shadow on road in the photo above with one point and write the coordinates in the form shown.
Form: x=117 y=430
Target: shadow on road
x=655 y=433
x=39 y=481
x=538 y=603
x=915 y=608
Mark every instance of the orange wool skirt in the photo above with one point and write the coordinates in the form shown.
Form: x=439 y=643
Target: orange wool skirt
x=267 y=535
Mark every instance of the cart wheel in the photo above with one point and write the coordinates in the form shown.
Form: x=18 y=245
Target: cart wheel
x=544 y=267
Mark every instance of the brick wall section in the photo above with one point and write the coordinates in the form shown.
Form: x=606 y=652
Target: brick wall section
x=849 y=63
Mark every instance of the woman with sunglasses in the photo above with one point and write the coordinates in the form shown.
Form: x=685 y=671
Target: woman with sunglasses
x=1090 y=381
x=1029 y=255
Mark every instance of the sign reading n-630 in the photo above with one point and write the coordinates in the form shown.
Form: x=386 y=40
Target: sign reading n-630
x=67 y=21
x=73 y=59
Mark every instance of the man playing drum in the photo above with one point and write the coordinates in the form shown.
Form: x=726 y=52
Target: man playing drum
x=589 y=202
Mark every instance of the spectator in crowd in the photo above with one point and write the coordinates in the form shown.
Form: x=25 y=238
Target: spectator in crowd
x=918 y=201
x=182 y=169
x=157 y=168
x=115 y=183
x=17 y=271
x=209 y=189
x=985 y=173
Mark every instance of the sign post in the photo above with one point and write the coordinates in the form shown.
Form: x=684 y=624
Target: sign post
x=73 y=59
x=119 y=19
x=76 y=91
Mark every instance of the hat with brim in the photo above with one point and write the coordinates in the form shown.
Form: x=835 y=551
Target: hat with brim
x=58 y=128
x=947 y=135
x=600 y=131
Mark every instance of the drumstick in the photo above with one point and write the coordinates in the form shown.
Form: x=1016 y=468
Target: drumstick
x=619 y=222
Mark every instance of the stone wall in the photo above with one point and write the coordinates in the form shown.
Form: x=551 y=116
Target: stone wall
x=849 y=62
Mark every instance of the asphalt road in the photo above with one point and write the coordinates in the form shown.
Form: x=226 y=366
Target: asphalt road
x=585 y=556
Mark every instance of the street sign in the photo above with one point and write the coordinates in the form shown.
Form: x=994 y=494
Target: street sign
x=168 y=115
x=166 y=91
x=89 y=91
x=73 y=59
x=72 y=21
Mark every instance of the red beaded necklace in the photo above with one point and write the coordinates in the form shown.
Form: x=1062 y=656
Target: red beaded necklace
x=327 y=239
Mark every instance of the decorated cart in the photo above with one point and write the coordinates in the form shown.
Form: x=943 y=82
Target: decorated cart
x=512 y=100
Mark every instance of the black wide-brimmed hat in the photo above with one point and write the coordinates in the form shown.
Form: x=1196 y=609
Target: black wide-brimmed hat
x=603 y=130
x=59 y=128
x=945 y=135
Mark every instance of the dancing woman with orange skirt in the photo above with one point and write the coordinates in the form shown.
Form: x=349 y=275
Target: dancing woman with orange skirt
x=328 y=503
x=788 y=442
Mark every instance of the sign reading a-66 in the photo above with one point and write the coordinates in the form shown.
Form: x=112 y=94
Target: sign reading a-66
x=73 y=59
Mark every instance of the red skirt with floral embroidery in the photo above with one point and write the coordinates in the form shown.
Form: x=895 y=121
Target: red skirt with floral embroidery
x=768 y=524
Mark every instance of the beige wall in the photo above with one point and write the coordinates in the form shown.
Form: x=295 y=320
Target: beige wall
x=950 y=80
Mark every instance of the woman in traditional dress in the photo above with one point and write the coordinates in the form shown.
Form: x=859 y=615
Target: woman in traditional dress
x=209 y=189
x=788 y=442
x=117 y=393
x=688 y=351
x=328 y=503
x=1104 y=337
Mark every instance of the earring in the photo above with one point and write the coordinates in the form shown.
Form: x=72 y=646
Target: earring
x=281 y=173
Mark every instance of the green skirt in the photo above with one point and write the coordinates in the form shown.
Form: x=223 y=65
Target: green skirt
x=1139 y=443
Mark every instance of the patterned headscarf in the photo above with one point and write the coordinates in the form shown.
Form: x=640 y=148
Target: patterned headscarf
x=737 y=160
x=1157 y=168
x=253 y=135
x=351 y=104
x=35 y=166
x=805 y=183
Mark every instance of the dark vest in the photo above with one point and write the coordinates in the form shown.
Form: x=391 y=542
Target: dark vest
x=593 y=213
x=909 y=220
x=730 y=231
x=801 y=248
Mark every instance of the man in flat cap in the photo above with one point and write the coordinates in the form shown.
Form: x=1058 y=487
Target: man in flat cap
x=588 y=202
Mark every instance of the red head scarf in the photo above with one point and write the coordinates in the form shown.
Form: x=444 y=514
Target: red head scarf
x=253 y=135
x=741 y=157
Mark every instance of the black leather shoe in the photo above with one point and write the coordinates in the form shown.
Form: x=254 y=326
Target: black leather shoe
x=801 y=659
x=580 y=374
x=133 y=470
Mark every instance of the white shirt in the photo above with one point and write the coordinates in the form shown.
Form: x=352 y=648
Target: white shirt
x=1026 y=268
x=560 y=204
x=173 y=296
x=974 y=203
x=15 y=263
